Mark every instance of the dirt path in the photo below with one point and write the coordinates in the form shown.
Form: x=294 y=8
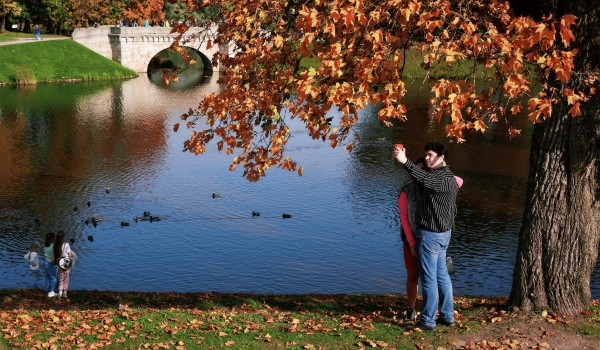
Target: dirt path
x=32 y=40
x=525 y=332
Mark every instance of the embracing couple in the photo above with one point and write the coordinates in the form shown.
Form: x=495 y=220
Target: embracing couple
x=427 y=205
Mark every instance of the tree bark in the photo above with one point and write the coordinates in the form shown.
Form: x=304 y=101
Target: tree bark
x=560 y=233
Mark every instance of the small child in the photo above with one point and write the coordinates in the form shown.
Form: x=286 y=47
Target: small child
x=32 y=256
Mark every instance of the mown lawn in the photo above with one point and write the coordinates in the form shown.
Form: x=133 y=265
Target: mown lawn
x=11 y=36
x=55 y=60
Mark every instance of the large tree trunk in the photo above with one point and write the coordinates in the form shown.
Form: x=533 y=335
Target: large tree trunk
x=560 y=234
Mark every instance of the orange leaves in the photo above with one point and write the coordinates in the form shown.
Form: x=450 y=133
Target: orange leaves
x=358 y=53
x=392 y=112
x=513 y=132
x=278 y=41
x=561 y=63
x=565 y=29
x=310 y=90
x=540 y=108
x=466 y=109
x=433 y=25
x=575 y=109
x=64 y=326
x=377 y=36
x=349 y=19
x=405 y=14
x=479 y=125
x=515 y=85
x=544 y=35
x=309 y=18
x=515 y=109
x=335 y=15
x=278 y=140
x=574 y=100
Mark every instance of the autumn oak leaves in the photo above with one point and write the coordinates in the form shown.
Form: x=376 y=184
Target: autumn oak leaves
x=361 y=47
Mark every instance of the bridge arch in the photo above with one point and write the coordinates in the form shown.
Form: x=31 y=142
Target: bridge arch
x=166 y=58
x=134 y=47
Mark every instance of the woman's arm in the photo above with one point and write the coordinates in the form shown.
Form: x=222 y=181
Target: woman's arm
x=404 y=221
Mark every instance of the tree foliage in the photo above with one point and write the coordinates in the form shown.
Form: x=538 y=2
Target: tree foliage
x=8 y=8
x=142 y=10
x=64 y=15
x=82 y=12
x=362 y=47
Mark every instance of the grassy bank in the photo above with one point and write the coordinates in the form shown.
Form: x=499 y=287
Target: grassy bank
x=91 y=319
x=55 y=61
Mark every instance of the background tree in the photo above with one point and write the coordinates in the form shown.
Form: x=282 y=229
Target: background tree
x=112 y=11
x=362 y=47
x=84 y=13
x=23 y=18
x=8 y=8
x=51 y=14
x=141 y=10
x=180 y=11
x=558 y=246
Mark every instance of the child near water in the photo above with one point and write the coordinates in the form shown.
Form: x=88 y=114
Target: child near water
x=33 y=260
x=32 y=256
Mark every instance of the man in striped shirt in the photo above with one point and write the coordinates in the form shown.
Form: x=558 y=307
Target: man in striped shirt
x=435 y=218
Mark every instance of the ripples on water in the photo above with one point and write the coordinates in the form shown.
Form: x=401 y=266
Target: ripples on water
x=64 y=145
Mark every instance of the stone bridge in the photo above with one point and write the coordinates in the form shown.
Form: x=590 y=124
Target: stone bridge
x=134 y=47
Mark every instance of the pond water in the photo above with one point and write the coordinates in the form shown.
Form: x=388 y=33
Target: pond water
x=63 y=146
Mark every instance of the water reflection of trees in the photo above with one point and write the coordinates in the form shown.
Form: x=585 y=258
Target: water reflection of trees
x=59 y=142
x=493 y=166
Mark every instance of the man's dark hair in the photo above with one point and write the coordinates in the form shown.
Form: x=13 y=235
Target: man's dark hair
x=438 y=148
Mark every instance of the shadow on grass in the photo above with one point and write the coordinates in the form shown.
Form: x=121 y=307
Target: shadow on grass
x=102 y=299
x=388 y=305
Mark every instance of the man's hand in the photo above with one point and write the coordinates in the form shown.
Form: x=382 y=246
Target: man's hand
x=399 y=153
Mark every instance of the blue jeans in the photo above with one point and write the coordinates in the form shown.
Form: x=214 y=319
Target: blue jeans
x=51 y=275
x=435 y=280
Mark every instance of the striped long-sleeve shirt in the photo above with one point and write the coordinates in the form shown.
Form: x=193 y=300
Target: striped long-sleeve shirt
x=438 y=205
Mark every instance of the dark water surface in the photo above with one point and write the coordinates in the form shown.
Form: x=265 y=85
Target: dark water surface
x=64 y=145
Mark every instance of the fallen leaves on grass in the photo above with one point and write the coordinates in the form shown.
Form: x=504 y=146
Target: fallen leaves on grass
x=178 y=321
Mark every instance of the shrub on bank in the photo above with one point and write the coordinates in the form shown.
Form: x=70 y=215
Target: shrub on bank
x=24 y=76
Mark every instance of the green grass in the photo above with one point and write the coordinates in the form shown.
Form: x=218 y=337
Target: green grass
x=11 y=36
x=124 y=320
x=591 y=328
x=55 y=61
